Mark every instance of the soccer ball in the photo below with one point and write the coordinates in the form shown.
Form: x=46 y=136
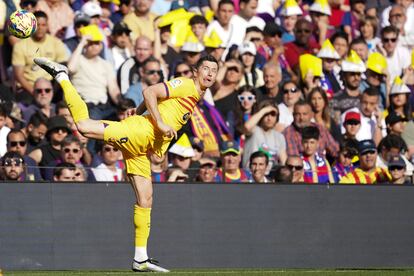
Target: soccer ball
x=22 y=24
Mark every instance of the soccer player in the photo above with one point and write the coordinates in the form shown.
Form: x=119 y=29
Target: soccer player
x=170 y=105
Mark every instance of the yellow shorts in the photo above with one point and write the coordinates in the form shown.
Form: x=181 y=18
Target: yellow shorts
x=136 y=138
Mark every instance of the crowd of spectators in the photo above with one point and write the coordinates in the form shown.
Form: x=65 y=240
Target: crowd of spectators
x=308 y=91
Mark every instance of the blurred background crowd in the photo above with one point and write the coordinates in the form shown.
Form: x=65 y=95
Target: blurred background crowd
x=308 y=91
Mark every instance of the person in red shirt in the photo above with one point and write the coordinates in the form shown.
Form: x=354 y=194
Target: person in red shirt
x=301 y=45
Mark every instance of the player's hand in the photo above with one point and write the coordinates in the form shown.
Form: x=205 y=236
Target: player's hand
x=167 y=130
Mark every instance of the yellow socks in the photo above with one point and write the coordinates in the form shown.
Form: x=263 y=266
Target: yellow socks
x=142 y=222
x=76 y=105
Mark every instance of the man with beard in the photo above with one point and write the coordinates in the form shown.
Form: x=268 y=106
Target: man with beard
x=367 y=173
x=35 y=130
x=12 y=167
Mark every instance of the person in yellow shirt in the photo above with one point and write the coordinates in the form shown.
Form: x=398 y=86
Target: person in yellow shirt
x=367 y=173
x=170 y=105
x=141 y=20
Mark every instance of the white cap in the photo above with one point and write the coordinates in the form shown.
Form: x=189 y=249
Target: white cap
x=247 y=47
x=92 y=8
x=321 y=6
x=353 y=63
x=328 y=51
x=195 y=47
x=290 y=8
x=399 y=87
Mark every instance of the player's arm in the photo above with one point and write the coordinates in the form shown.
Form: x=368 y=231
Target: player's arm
x=151 y=96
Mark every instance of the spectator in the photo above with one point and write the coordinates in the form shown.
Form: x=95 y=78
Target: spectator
x=128 y=73
x=230 y=158
x=141 y=19
x=246 y=18
x=399 y=100
x=393 y=145
x=283 y=175
x=376 y=77
x=398 y=19
x=258 y=165
x=57 y=130
x=175 y=174
x=352 y=19
x=272 y=76
x=227 y=83
x=398 y=57
x=125 y=8
x=316 y=167
x=343 y=164
x=395 y=123
x=93 y=77
x=44 y=45
x=253 y=76
x=330 y=57
x=289 y=17
x=122 y=108
x=198 y=147
x=43 y=95
x=369 y=28
x=64 y=172
x=81 y=20
x=107 y=170
x=198 y=24
x=222 y=25
x=272 y=48
x=60 y=16
x=183 y=70
x=367 y=173
x=349 y=97
x=159 y=167
x=318 y=100
x=352 y=125
x=207 y=171
x=150 y=74
x=35 y=130
x=81 y=175
x=261 y=135
x=295 y=164
x=319 y=15
x=301 y=45
x=4 y=130
x=191 y=52
x=122 y=47
x=360 y=46
x=302 y=116
x=291 y=95
x=181 y=153
x=397 y=168
x=17 y=142
x=13 y=167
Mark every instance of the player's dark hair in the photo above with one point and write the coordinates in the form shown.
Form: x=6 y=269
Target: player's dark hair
x=310 y=132
x=124 y=104
x=225 y=2
x=206 y=58
x=257 y=154
x=40 y=14
x=198 y=19
x=38 y=119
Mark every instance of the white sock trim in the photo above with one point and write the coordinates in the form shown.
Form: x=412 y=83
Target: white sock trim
x=61 y=77
x=140 y=254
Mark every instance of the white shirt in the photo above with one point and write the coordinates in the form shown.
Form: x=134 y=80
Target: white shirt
x=119 y=56
x=368 y=125
x=3 y=140
x=285 y=116
x=103 y=173
x=265 y=6
x=400 y=60
x=241 y=25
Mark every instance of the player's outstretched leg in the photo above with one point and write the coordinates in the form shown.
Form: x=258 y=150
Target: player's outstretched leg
x=78 y=108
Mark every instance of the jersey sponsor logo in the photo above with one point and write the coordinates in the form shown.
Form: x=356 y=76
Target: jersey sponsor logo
x=175 y=83
x=186 y=116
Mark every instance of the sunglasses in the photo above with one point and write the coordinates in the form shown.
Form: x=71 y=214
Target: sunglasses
x=233 y=68
x=152 y=72
x=396 y=15
x=353 y=123
x=291 y=90
x=15 y=143
x=305 y=31
x=255 y=39
x=273 y=114
x=67 y=150
x=348 y=155
x=369 y=152
x=108 y=149
x=293 y=167
x=13 y=161
x=248 y=98
x=40 y=90
x=395 y=168
x=182 y=73
x=59 y=130
x=386 y=40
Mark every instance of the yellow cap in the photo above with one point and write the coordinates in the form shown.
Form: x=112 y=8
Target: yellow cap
x=209 y=15
x=321 y=6
x=174 y=16
x=310 y=64
x=353 y=63
x=412 y=59
x=93 y=32
x=328 y=51
x=291 y=7
x=213 y=41
x=377 y=63
x=182 y=147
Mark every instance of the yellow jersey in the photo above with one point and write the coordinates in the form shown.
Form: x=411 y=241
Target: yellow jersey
x=358 y=176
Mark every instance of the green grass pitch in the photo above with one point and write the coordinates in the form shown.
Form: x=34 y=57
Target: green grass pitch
x=225 y=272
